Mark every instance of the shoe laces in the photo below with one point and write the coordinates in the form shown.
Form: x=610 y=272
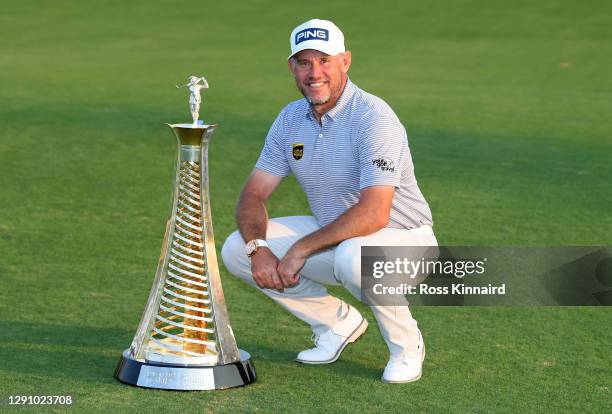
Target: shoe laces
x=316 y=337
x=404 y=358
x=397 y=359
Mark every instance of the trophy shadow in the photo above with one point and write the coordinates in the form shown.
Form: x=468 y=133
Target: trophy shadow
x=276 y=354
x=82 y=353
x=90 y=354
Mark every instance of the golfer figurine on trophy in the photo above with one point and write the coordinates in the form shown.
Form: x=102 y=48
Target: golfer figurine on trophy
x=195 y=99
x=184 y=340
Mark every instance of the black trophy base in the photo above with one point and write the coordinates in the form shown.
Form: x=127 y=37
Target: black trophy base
x=185 y=378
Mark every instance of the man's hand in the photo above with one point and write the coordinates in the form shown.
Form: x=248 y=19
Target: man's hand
x=291 y=264
x=263 y=268
x=369 y=215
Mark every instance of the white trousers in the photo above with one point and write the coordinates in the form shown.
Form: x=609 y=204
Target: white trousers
x=309 y=300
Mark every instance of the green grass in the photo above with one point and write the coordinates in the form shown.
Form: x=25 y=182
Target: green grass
x=507 y=108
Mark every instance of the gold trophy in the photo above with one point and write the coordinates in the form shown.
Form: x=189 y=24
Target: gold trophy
x=184 y=340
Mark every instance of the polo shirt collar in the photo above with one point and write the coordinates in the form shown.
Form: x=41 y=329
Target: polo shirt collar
x=347 y=94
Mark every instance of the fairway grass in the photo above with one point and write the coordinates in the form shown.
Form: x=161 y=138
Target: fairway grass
x=507 y=110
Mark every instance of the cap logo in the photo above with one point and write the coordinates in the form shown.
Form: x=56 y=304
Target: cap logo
x=311 y=34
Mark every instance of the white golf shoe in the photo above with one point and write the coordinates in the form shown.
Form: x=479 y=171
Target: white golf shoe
x=330 y=344
x=406 y=367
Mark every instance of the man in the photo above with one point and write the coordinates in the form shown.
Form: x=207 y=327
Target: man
x=349 y=153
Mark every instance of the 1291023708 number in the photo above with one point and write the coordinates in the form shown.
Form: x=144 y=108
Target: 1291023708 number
x=40 y=399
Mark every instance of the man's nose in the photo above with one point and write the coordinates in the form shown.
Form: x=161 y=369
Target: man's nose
x=315 y=70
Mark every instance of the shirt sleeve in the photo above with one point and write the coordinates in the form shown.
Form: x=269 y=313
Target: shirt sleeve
x=272 y=158
x=382 y=147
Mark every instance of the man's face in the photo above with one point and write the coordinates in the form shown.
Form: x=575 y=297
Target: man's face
x=320 y=77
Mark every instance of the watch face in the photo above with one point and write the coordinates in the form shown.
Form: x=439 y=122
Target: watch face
x=250 y=248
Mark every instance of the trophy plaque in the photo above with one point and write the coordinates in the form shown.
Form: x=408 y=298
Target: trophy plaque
x=184 y=340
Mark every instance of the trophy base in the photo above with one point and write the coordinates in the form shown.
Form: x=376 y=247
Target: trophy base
x=185 y=378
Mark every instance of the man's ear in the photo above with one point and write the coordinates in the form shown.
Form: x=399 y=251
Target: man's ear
x=345 y=61
x=290 y=64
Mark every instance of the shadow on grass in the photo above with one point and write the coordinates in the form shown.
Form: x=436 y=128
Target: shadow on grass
x=278 y=355
x=77 y=366
x=83 y=353
x=63 y=335
x=73 y=352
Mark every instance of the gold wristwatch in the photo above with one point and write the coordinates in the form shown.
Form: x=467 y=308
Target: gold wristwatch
x=251 y=247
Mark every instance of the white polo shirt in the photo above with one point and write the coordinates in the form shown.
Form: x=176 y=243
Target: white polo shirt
x=360 y=143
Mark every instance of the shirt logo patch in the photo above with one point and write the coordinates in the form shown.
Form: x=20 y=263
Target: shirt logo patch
x=298 y=151
x=384 y=164
x=311 y=34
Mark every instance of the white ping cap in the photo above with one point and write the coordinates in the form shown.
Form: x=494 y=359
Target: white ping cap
x=321 y=35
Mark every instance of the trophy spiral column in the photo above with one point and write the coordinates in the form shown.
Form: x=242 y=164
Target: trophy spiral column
x=184 y=340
